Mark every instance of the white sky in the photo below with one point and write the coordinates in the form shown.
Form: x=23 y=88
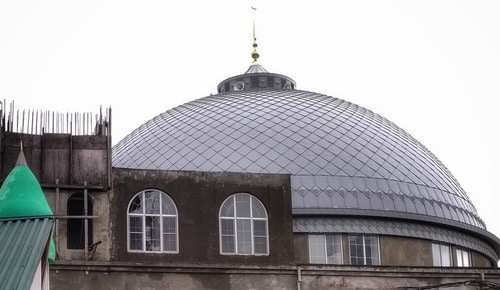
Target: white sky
x=432 y=67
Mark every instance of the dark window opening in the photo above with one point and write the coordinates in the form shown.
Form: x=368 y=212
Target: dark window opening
x=254 y=82
x=76 y=227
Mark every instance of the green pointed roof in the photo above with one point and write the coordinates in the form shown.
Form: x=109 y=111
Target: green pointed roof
x=21 y=194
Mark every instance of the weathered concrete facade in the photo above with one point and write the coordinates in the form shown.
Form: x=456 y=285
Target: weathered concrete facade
x=61 y=159
x=306 y=277
x=100 y=226
x=198 y=196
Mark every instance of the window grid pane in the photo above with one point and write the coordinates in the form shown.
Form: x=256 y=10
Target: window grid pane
x=243 y=226
x=170 y=242
x=242 y=205
x=152 y=223
x=228 y=236
x=167 y=206
x=356 y=250
x=244 y=236
x=436 y=255
x=136 y=205
x=364 y=250
x=462 y=258
x=153 y=234
x=228 y=244
x=445 y=256
x=459 y=258
x=258 y=210
x=259 y=228
x=333 y=249
x=441 y=255
x=135 y=224
x=317 y=249
x=465 y=258
x=227 y=227
x=152 y=199
x=371 y=250
x=135 y=241
x=227 y=209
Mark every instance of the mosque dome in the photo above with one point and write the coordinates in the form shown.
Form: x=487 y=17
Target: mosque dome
x=344 y=160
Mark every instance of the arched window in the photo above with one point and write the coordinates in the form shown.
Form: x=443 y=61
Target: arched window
x=243 y=226
x=76 y=227
x=152 y=223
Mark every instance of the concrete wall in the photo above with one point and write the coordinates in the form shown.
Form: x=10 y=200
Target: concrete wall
x=221 y=276
x=401 y=251
x=101 y=225
x=198 y=197
x=301 y=248
x=62 y=158
x=479 y=260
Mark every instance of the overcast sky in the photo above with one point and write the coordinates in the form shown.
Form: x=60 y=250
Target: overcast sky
x=432 y=67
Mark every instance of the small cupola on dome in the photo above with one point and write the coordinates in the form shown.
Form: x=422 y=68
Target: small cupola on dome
x=256 y=77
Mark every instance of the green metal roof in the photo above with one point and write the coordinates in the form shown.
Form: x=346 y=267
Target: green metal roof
x=22 y=244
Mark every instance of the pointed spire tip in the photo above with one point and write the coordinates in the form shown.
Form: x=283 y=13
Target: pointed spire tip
x=21 y=160
x=255 y=54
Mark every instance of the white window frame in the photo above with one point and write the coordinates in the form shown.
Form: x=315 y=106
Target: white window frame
x=235 y=218
x=143 y=216
x=438 y=252
x=463 y=255
x=364 y=249
x=325 y=248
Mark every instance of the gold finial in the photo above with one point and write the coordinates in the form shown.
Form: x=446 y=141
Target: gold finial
x=255 y=54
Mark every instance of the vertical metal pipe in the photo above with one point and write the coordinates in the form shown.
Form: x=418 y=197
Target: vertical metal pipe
x=32 y=120
x=56 y=232
x=22 y=127
x=299 y=277
x=108 y=146
x=70 y=158
x=86 y=221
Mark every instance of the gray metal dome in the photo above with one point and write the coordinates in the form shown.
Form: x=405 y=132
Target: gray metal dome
x=344 y=160
x=340 y=155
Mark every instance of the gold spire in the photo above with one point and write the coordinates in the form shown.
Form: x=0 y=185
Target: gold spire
x=255 y=54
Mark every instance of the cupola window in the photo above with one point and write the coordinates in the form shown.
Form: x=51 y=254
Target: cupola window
x=152 y=223
x=441 y=256
x=364 y=250
x=325 y=249
x=463 y=259
x=243 y=226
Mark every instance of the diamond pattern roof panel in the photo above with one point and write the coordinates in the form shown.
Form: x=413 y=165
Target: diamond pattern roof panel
x=339 y=155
